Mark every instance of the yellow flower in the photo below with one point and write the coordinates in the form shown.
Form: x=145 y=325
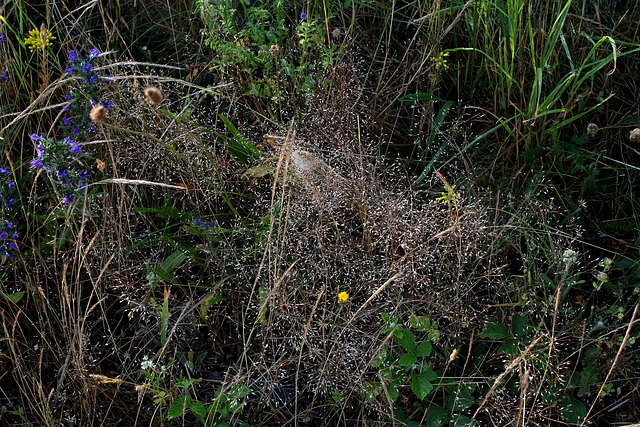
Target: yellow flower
x=448 y=196
x=343 y=297
x=39 y=38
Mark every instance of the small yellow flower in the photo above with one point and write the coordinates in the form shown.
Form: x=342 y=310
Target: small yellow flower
x=343 y=297
x=39 y=38
x=448 y=196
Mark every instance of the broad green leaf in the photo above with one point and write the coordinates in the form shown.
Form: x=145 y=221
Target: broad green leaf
x=420 y=323
x=519 y=325
x=573 y=410
x=408 y=359
x=199 y=410
x=424 y=349
x=178 y=408
x=239 y=391
x=460 y=400
x=510 y=346
x=495 y=330
x=461 y=421
x=407 y=340
x=436 y=416
x=421 y=383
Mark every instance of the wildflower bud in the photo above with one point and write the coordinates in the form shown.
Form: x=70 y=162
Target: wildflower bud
x=274 y=50
x=603 y=277
x=98 y=113
x=592 y=129
x=634 y=136
x=153 y=95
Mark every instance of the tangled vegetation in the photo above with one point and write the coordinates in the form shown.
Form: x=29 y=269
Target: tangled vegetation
x=358 y=212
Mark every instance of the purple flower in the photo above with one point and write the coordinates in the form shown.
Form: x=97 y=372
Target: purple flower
x=69 y=70
x=4 y=171
x=68 y=121
x=2 y=38
x=86 y=67
x=10 y=203
x=4 y=235
x=35 y=137
x=72 y=56
x=11 y=185
x=37 y=163
x=4 y=77
x=106 y=104
x=93 y=53
x=303 y=16
x=83 y=175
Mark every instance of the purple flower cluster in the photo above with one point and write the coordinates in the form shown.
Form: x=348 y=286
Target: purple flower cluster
x=205 y=225
x=4 y=77
x=8 y=235
x=77 y=119
x=58 y=160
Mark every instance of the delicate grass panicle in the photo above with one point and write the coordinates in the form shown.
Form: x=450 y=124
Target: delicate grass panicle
x=331 y=213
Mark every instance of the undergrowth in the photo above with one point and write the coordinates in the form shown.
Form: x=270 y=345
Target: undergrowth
x=231 y=213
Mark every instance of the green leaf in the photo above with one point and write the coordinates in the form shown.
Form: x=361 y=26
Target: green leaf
x=408 y=360
x=258 y=171
x=14 y=297
x=460 y=400
x=436 y=416
x=199 y=410
x=420 y=323
x=510 y=346
x=239 y=391
x=424 y=349
x=495 y=330
x=421 y=383
x=573 y=410
x=519 y=325
x=407 y=340
x=370 y=390
x=461 y=421
x=178 y=408
x=239 y=146
x=172 y=262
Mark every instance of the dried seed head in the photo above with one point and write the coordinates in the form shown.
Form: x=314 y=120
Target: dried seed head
x=98 y=113
x=634 y=136
x=274 y=50
x=153 y=95
x=453 y=355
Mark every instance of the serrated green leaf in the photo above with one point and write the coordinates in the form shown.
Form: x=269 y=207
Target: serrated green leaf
x=420 y=323
x=199 y=410
x=424 y=349
x=495 y=330
x=408 y=360
x=178 y=408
